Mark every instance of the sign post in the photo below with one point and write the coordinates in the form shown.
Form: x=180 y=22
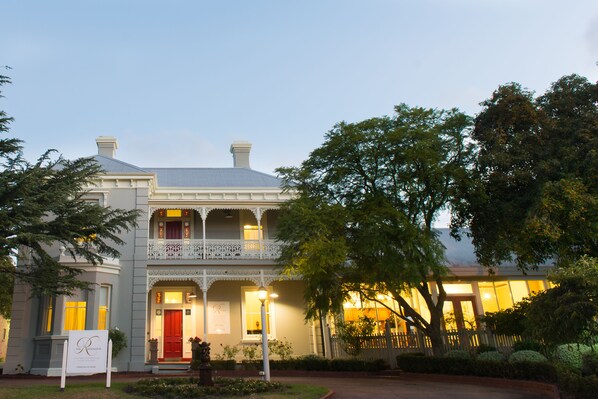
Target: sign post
x=87 y=352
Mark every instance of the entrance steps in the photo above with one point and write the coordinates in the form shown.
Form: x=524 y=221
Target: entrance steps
x=171 y=368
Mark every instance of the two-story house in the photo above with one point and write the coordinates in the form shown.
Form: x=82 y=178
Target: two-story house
x=191 y=268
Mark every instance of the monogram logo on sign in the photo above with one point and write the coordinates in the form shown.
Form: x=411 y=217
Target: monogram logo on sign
x=84 y=344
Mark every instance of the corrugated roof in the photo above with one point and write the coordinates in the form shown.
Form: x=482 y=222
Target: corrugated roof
x=213 y=177
x=111 y=165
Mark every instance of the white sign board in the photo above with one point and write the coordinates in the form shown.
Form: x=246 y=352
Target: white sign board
x=87 y=352
x=218 y=317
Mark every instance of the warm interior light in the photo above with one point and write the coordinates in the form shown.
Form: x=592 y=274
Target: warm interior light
x=262 y=293
x=274 y=295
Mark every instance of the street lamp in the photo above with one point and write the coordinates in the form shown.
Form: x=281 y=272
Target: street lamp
x=262 y=294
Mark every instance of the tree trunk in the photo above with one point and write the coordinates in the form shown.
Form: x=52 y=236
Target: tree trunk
x=435 y=332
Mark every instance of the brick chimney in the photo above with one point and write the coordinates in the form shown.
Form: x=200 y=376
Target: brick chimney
x=240 y=151
x=107 y=146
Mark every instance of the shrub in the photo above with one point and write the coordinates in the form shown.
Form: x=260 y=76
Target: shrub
x=589 y=363
x=216 y=364
x=570 y=354
x=284 y=349
x=492 y=356
x=119 y=341
x=229 y=352
x=527 y=356
x=527 y=345
x=485 y=348
x=251 y=351
x=576 y=386
x=313 y=362
x=458 y=354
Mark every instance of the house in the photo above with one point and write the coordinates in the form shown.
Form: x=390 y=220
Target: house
x=192 y=267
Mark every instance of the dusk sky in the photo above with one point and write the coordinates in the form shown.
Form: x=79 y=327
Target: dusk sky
x=177 y=81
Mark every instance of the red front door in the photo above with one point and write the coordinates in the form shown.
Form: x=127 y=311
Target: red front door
x=173 y=333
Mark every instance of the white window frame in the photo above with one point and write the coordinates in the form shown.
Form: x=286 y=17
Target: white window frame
x=270 y=312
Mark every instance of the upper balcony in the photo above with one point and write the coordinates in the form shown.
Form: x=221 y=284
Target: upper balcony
x=201 y=233
x=212 y=249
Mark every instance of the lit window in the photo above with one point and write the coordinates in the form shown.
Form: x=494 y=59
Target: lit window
x=489 y=302
x=458 y=288
x=252 y=316
x=47 y=315
x=74 y=314
x=535 y=286
x=173 y=297
x=518 y=290
x=104 y=310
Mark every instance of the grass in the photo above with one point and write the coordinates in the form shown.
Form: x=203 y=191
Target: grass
x=97 y=390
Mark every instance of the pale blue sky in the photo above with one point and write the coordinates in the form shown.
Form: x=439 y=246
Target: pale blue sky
x=177 y=81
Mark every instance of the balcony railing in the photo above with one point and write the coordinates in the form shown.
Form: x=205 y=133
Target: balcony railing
x=212 y=249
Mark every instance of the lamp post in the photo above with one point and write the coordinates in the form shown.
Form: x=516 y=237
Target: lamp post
x=262 y=294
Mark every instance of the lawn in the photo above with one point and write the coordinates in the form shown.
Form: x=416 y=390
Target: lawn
x=97 y=390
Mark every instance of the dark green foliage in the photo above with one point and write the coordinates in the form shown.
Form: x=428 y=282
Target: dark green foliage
x=317 y=363
x=536 y=197
x=189 y=388
x=216 y=364
x=119 y=341
x=352 y=333
x=367 y=199
x=527 y=344
x=481 y=368
x=44 y=203
x=485 y=348
x=589 y=363
x=574 y=386
x=507 y=322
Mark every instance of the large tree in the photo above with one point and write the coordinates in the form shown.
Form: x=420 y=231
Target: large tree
x=43 y=204
x=366 y=202
x=536 y=199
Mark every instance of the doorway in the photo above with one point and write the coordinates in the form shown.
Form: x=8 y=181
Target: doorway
x=173 y=334
x=460 y=313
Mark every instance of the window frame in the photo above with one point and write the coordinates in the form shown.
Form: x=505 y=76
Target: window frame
x=270 y=315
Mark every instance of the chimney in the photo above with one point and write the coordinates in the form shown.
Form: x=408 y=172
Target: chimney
x=240 y=151
x=107 y=146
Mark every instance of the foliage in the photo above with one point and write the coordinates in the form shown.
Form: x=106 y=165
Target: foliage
x=567 y=313
x=366 y=201
x=536 y=193
x=527 y=344
x=318 y=363
x=483 y=368
x=44 y=203
x=527 y=356
x=7 y=281
x=190 y=388
x=280 y=348
x=571 y=354
x=494 y=356
x=572 y=385
x=482 y=347
x=119 y=341
x=216 y=364
x=509 y=321
x=251 y=351
x=589 y=363
x=229 y=352
x=352 y=333
x=458 y=354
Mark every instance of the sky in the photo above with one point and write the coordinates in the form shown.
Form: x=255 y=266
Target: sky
x=176 y=82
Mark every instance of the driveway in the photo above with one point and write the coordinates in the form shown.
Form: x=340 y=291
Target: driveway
x=404 y=387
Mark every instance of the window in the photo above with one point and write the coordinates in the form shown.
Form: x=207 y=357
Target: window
x=171 y=297
x=252 y=316
x=104 y=308
x=251 y=237
x=75 y=311
x=47 y=315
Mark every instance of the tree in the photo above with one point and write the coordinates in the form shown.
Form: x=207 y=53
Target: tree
x=566 y=313
x=7 y=282
x=536 y=197
x=43 y=204
x=366 y=201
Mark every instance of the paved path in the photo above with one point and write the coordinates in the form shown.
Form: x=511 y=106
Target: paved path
x=403 y=388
